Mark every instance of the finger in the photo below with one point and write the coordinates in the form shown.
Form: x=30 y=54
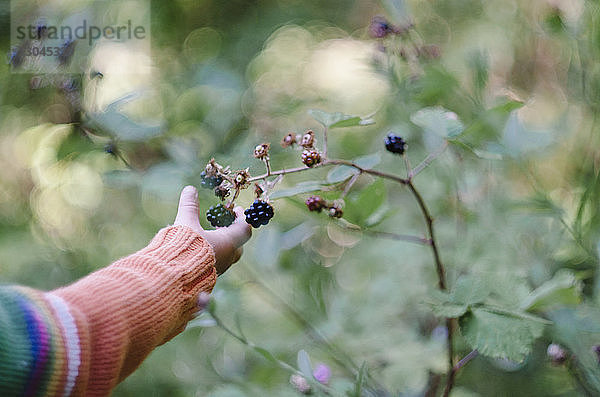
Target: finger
x=237 y=254
x=240 y=231
x=187 y=213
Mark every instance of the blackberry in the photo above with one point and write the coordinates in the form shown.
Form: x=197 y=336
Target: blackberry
x=310 y=157
x=219 y=216
x=259 y=213
x=315 y=203
x=210 y=182
x=394 y=143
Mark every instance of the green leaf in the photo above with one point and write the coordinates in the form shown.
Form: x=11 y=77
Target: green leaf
x=362 y=204
x=499 y=336
x=265 y=353
x=578 y=329
x=302 y=187
x=338 y=120
x=439 y=121
x=360 y=379
x=562 y=289
x=304 y=364
x=469 y=290
x=448 y=309
x=518 y=139
x=343 y=172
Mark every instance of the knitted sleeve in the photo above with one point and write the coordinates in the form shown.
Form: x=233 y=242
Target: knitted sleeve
x=85 y=338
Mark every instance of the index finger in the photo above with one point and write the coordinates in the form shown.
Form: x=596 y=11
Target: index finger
x=239 y=231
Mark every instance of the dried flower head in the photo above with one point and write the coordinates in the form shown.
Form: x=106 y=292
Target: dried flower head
x=240 y=179
x=308 y=139
x=289 y=140
x=222 y=191
x=335 y=210
x=261 y=152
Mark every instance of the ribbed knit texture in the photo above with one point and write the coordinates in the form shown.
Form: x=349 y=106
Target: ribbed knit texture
x=85 y=338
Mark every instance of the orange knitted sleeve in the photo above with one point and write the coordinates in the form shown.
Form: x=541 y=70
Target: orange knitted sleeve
x=119 y=314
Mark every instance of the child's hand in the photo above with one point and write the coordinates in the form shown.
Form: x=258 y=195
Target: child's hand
x=226 y=241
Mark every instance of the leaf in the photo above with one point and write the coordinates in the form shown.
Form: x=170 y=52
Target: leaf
x=265 y=353
x=562 y=289
x=499 y=336
x=579 y=330
x=364 y=203
x=338 y=119
x=202 y=322
x=438 y=121
x=343 y=172
x=302 y=187
x=448 y=309
x=304 y=364
x=469 y=290
x=518 y=139
x=360 y=379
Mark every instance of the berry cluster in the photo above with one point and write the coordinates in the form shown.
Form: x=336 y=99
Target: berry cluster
x=219 y=216
x=395 y=143
x=259 y=213
x=317 y=204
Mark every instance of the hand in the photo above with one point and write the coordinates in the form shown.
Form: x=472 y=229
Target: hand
x=226 y=241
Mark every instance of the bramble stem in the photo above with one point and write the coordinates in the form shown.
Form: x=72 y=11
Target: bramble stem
x=430 y=240
x=388 y=235
x=366 y=170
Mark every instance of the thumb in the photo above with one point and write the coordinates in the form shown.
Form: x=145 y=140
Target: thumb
x=187 y=213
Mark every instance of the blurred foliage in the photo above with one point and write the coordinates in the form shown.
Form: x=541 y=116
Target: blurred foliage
x=92 y=164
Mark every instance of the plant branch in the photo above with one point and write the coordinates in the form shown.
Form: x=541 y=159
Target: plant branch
x=387 y=235
x=282 y=364
x=367 y=170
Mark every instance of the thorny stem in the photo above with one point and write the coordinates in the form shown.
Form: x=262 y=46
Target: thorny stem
x=268 y=165
x=441 y=283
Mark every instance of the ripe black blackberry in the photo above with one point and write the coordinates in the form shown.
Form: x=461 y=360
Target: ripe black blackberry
x=210 y=182
x=310 y=157
x=315 y=203
x=259 y=213
x=219 y=216
x=394 y=143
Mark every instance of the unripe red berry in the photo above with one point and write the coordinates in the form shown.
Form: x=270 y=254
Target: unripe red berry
x=315 y=203
x=310 y=157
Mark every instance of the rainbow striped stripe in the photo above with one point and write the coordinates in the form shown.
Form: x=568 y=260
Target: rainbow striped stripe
x=40 y=352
